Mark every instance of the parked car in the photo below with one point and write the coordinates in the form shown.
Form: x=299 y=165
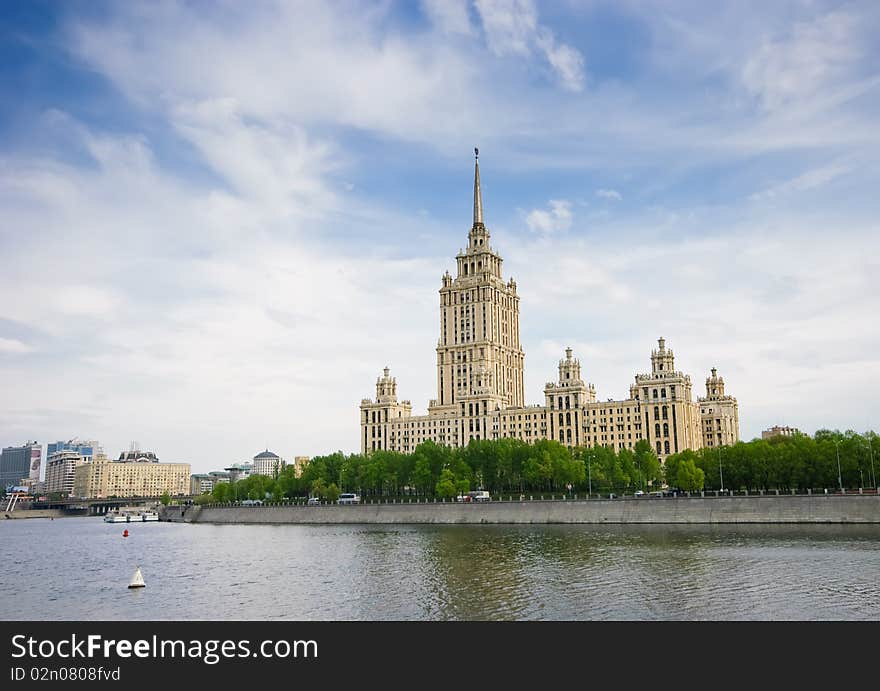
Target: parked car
x=252 y=502
x=313 y=501
x=639 y=493
x=657 y=494
x=348 y=498
x=479 y=495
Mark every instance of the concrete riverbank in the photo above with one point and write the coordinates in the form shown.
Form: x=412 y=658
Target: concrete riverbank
x=681 y=510
x=38 y=513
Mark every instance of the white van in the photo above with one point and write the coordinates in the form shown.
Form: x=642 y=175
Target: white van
x=479 y=495
x=348 y=498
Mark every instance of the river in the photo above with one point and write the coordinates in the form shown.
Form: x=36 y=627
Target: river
x=79 y=569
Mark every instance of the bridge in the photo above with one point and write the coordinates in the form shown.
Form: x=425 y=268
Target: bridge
x=96 y=507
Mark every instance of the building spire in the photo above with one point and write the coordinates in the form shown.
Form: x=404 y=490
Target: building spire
x=478 y=195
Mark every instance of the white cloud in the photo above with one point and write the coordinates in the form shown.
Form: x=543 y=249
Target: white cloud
x=797 y=66
x=512 y=28
x=12 y=346
x=449 y=15
x=809 y=180
x=555 y=219
x=305 y=64
x=509 y=25
x=609 y=194
x=567 y=61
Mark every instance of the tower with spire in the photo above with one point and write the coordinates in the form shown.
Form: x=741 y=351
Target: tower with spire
x=479 y=357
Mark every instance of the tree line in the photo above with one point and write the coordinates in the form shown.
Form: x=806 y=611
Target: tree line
x=829 y=459
x=511 y=466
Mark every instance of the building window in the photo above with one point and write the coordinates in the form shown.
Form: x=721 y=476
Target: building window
x=658 y=447
x=666 y=447
x=655 y=393
x=666 y=431
x=657 y=430
x=662 y=393
x=656 y=413
x=665 y=413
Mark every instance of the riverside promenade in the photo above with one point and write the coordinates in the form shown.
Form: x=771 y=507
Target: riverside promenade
x=815 y=508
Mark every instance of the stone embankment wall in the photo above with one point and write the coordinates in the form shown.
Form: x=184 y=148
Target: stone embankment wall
x=754 y=509
x=37 y=513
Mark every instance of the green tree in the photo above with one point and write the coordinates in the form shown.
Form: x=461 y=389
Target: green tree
x=446 y=486
x=538 y=468
x=331 y=493
x=689 y=477
x=165 y=498
x=319 y=489
x=648 y=463
x=422 y=477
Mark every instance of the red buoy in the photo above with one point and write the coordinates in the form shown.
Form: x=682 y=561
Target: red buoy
x=125 y=533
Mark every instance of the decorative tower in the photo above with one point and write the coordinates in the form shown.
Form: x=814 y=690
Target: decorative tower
x=671 y=419
x=662 y=359
x=714 y=385
x=719 y=414
x=566 y=399
x=376 y=432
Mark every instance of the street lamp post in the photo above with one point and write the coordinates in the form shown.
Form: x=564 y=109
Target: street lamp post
x=839 y=477
x=871 y=451
x=590 y=473
x=720 y=469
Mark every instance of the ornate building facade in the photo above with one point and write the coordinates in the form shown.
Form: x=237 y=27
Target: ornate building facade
x=480 y=381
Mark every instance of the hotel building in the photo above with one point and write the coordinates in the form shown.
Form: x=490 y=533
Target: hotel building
x=480 y=381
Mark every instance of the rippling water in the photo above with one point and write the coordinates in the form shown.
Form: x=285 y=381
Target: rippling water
x=78 y=569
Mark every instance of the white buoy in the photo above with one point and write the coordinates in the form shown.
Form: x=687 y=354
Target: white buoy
x=137 y=581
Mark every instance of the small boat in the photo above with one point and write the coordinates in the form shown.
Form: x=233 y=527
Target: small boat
x=131 y=517
x=137 y=581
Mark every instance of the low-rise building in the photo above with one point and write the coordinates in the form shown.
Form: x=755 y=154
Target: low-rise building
x=239 y=471
x=219 y=477
x=200 y=484
x=102 y=478
x=777 y=431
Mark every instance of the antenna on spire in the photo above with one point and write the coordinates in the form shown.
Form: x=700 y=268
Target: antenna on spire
x=478 y=195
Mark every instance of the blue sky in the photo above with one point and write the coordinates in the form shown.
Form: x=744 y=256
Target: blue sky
x=221 y=220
